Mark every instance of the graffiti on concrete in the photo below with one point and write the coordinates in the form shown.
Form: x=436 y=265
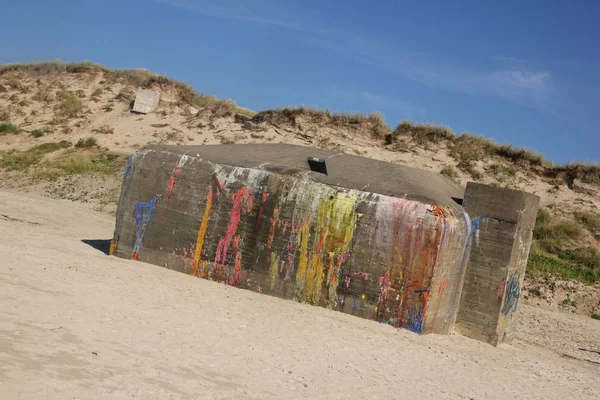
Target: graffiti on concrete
x=362 y=253
x=512 y=294
x=141 y=214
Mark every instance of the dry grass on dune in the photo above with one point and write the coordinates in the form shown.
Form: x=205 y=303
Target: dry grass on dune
x=373 y=123
x=135 y=77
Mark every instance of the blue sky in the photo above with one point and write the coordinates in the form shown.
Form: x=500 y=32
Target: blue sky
x=519 y=72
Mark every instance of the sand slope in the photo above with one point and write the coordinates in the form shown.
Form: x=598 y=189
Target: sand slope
x=75 y=323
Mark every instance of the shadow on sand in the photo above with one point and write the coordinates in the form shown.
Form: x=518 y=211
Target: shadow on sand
x=102 y=245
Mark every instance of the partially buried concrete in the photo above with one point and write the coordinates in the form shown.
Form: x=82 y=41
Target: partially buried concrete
x=146 y=101
x=370 y=238
x=502 y=221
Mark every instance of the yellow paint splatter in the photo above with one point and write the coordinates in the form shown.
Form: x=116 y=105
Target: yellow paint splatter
x=303 y=258
x=201 y=234
x=334 y=224
x=274 y=267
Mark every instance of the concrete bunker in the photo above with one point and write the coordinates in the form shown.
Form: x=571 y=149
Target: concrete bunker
x=370 y=238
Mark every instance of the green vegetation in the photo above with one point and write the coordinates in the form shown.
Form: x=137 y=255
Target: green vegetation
x=553 y=235
x=588 y=256
x=78 y=160
x=540 y=264
x=450 y=171
x=558 y=250
x=595 y=316
x=36 y=133
x=74 y=163
x=21 y=161
x=70 y=106
x=86 y=143
x=8 y=128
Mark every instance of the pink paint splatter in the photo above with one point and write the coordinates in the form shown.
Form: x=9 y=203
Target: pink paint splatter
x=234 y=220
x=364 y=275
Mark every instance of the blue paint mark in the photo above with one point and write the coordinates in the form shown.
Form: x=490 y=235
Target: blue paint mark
x=475 y=222
x=355 y=305
x=128 y=166
x=464 y=202
x=512 y=294
x=142 y=213
x=415 y=319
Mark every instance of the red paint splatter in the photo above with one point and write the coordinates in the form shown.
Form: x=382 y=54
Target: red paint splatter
x=274 y=221
x=501 y=290
x=232 y=226
x=171 y=185
x=134 y=256
x=443 y=284
x=347 y=281
x=336 y=267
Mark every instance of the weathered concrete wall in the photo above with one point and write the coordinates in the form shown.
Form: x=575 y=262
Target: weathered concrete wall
x=256 y=217
x=502 y=224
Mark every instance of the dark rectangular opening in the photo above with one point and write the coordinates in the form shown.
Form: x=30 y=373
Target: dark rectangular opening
x=317 y=165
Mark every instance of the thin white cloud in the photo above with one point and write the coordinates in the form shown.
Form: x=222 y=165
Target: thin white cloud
x=377 y=102
x=509 y=60
x=523 y=79
x=524 y=86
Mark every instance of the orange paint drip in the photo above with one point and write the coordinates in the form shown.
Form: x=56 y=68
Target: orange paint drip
x=202 y=233
x=171 y=185
x=426 y=301
x=113 y=247
x=250 y=202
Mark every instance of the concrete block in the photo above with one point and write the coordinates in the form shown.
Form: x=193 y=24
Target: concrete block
x=146 y=101
x=502 y=224
x=372 y=239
